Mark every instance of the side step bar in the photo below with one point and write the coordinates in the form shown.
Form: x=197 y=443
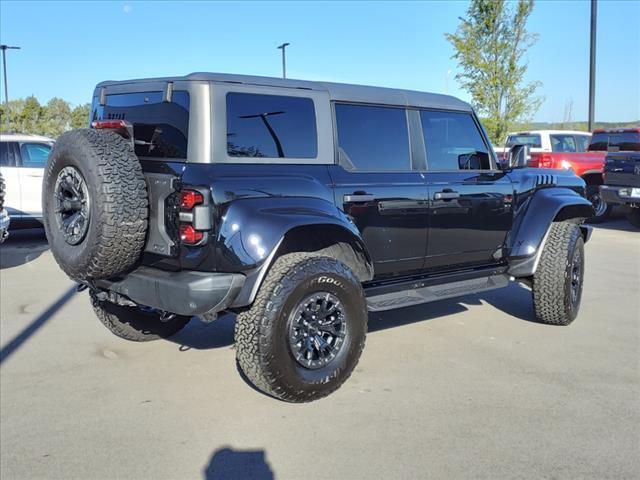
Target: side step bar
x=416 y=296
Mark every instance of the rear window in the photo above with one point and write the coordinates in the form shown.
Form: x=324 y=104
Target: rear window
x=533 y=140
x=372 y=138
x=160 y=129
x=615 y=142
x=271 y=126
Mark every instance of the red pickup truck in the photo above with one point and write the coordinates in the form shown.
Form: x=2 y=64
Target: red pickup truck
x=589 y=165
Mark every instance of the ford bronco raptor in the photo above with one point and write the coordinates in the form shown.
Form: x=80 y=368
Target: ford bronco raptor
x=299 y=206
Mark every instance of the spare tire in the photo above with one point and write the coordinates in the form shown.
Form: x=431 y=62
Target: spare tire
x=95 y=204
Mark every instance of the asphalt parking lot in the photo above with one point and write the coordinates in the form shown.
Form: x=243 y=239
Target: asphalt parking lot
x=467 y=389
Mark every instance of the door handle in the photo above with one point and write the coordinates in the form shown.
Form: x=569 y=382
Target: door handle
x=358 y=197
x=446 y=195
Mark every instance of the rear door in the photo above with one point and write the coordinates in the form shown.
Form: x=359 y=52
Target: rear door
x=375 y=183
x=469 y=199
x=9 y=170
x=33 y=159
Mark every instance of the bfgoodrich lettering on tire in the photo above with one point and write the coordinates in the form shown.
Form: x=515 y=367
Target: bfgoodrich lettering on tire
x=557 y=283
x=95 y=204
x=304 y=334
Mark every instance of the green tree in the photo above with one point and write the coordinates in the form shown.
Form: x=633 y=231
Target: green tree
x=490 y=45
x=29 y=118
x=80 y=116
x=56 y=118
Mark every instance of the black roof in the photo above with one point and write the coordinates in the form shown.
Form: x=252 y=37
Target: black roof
x=337 y=91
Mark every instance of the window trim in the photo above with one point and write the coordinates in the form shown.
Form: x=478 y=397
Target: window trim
x=410 y=144
x=492 y=160
x=324 y=134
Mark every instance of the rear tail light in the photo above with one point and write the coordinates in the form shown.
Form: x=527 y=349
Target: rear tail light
x=195 y=217
x=546 y=161
x=190 y=235
x=111 y=124
x=190 y=198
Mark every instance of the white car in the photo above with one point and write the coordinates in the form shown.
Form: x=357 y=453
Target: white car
x=22 y=162
x=547 y=141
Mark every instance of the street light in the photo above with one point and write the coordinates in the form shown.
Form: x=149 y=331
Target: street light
x=592 y=66
x=284 y=65
x=4 y=49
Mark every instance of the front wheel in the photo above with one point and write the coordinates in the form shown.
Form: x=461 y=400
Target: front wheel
x=304 y=334
x=558 y=280
x=601 y=209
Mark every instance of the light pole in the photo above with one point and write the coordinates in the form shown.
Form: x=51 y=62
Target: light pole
x=4 y=49
x=284 y=63
x=592 y=64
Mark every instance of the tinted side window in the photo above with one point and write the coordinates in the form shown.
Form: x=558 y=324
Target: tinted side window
x=271 y=126
x=373 y=138
x=34 y=155
x=453 y=142
x=563 y=143
x=161 y=129
x=533 y=140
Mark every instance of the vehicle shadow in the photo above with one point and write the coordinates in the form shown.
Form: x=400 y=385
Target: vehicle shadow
x=22 y=246
x=35 y=325
x=514 y=300
x=227 y=463
x=618 y=224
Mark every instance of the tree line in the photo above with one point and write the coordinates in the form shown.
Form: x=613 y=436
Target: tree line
x=27 y=115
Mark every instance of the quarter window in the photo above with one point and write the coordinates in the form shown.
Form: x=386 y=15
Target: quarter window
x=453 y=142
x=34 y=155
x=271 y=126
x=372 y=138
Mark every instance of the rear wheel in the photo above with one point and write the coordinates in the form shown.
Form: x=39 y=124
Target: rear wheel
x=634 y=216
x=601 y=209
x=557 y=283
x=304 y=334
x=136 y=324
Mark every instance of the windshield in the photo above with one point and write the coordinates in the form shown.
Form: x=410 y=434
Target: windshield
x=532 y=140
x=615 y=141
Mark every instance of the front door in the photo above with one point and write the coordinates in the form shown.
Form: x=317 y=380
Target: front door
x=469 y=200
x=33 y=161
x=376 y=186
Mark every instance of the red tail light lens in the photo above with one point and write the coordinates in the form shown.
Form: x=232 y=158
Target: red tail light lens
x=189 y=235
x=190 y=198
x=113 y=124
x=546 y=161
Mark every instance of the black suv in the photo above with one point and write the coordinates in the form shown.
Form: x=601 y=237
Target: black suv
x=299 y=206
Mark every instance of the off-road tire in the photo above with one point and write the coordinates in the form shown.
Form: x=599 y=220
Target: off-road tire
x=593 y=191
x=2 y=191
x=553 y=301
x=118 y=209
x=262 y=350
x=634 y=216
x=134 y=324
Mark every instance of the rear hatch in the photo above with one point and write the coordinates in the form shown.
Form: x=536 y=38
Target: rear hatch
x=622 y=169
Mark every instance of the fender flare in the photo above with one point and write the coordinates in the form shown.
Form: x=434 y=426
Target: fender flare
x=531 y=227
x=253 y=229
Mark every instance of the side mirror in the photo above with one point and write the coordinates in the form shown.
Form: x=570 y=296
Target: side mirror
x=518 y=156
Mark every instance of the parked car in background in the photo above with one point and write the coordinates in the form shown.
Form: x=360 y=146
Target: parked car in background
x=22 y=162
x=589 y=165
x=546 y=141
x=4 y=215
x=622 y=182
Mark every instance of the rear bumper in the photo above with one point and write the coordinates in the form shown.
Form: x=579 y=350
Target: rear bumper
x=184 y=293
x=617 y=194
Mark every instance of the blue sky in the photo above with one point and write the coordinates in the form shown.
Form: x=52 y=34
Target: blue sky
x=68 y=47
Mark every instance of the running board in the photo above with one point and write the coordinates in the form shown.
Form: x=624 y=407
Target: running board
x=416 y=296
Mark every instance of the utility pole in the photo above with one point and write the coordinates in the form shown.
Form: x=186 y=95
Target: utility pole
x=284 y=62
x=592 y=63
x=4 y=49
